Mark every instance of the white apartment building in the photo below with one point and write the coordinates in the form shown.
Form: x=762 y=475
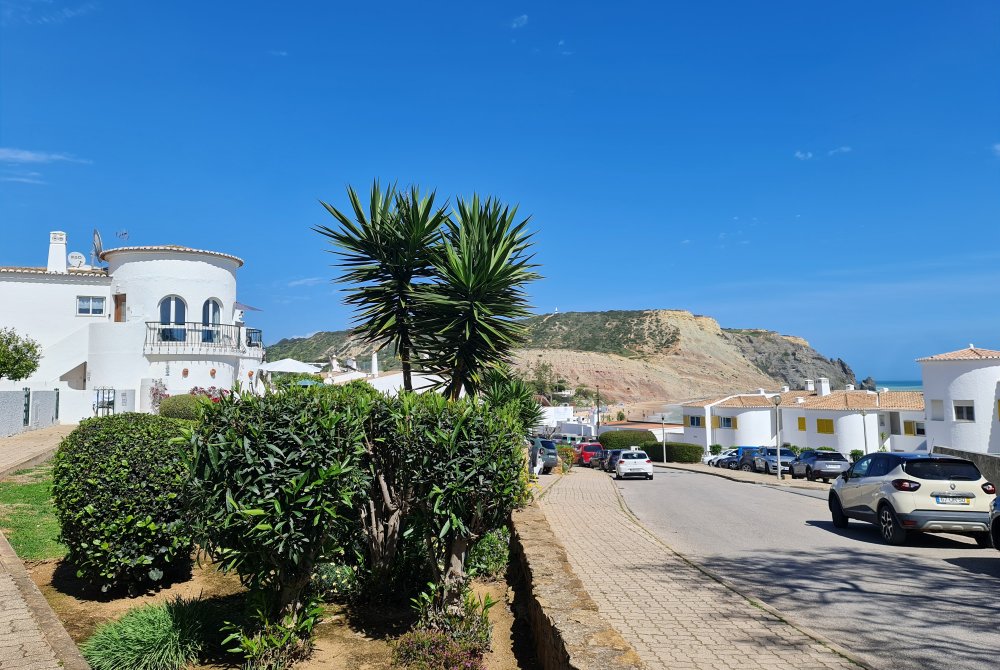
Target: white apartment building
x=963 y=399
x=155 y=314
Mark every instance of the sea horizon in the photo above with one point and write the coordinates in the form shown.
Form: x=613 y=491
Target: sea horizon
x=900 y=384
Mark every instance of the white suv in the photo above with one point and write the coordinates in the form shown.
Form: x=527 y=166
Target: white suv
x=911 y=492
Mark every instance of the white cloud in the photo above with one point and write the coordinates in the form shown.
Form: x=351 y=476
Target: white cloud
x=996 y=149
x=839 y=150
x=11 y=155
x=685 y=241
x=307 y=281
x=803 y=155
x=519 y=22
x=277 y=52
x=22 y=179
x=561 y=43
x=41 y=12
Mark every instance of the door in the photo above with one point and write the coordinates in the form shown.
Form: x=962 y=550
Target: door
x=119 y=308
x=869 y=486
x=849 y=493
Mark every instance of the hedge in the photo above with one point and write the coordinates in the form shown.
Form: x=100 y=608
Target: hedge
x=185 y=406
x=677 y=452
x=623 y=439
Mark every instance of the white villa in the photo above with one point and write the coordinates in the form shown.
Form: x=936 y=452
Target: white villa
x=963 y=399
x=155 y=314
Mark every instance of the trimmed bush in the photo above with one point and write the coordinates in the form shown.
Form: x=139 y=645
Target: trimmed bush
x=489 y=555
x=118 y=484
x=623 y=439
x=677 y=452
x=185 y=406
x=715 y=449
x=856 y=455
x=160 y=636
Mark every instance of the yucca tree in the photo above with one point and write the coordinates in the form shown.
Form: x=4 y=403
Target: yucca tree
x=501 y=386
x=385 y=253
x=471 y=312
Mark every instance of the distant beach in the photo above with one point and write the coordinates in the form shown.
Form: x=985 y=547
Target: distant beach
x=900 y=384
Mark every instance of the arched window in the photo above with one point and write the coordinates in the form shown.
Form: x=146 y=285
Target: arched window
x=211 y=315
x=173 y=311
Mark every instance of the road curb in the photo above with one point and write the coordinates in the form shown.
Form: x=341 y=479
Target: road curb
x=28 y=462
x=857 y=659
x=723 y=474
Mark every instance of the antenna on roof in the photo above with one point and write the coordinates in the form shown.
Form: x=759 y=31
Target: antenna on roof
x=95 y=254
x=122 y=234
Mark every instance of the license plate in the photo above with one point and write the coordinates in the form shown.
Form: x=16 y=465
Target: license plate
x=943 y=500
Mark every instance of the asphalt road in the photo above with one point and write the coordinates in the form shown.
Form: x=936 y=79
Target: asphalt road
x=930 y=604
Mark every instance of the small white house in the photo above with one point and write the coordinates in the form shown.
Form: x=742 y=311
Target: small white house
x=963 y=399
x=849 y=420
x=156 y=314
x=740 y=420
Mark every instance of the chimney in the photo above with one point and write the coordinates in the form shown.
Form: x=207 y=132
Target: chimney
x=799 y=400
x=57 y=252
x=823 y=386
x=334 y=364
x=849 y=387
x=809 y=385
x=761 y=392
x=784 y=389
x=374 y=364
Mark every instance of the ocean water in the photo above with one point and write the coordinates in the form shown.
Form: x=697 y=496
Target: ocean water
x=900 y=384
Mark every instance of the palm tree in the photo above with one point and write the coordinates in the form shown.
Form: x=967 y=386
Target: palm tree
x=385 y=253
x=471 y=312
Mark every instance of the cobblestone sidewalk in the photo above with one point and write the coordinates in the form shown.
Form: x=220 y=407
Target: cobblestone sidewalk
x=674 y=615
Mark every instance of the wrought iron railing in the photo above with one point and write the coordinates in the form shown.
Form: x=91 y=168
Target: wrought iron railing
x=193 y=336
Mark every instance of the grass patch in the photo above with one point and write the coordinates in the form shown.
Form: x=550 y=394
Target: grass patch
x=28 y=516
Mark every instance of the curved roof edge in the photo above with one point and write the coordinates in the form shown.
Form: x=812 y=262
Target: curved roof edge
x=174 y=248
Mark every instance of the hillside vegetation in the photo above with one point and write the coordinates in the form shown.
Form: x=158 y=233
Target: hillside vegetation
x=632 y=355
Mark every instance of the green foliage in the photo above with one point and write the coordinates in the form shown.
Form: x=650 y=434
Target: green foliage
x=273 y=481
x=620 y=416
x=28 y=516
x=489 y=555
x=826 y=449
x=623 y=439
x=856 y=454
x=184 y=406
x=567 y=457
x=19 y=355
x=335 y=581
x=629 y=333
x=118 y=485
x=502 y=387
x=677 y=452
x=468 y=623
x=286 y=379
x=434 y=650
x=160 y=636
x=715 y=449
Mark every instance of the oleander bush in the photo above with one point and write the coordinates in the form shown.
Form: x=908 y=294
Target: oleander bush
x=186 y=406
x=160 y=636
x=623 y=439
x=677 y=452
x=118 y=488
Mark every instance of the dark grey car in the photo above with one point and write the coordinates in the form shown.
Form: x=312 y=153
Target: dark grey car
x=825 y=465
x=545 y=451
x=611 y=459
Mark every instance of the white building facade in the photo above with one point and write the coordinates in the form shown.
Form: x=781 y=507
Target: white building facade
x=962 y=389
x=155 y=314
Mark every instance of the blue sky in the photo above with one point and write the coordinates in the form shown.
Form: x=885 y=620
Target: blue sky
x=828 y=170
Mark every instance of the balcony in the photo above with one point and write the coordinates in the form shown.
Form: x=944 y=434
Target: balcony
x=197 y=338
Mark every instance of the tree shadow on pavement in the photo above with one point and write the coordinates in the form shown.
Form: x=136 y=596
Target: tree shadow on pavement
x=867 y=532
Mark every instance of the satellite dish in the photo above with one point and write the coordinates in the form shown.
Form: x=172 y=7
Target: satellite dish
x=76 y=259
x=98 y=247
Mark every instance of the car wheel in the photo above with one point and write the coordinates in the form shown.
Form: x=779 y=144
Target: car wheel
x=649 y=476
x=889 y=527
x=732 y=466
x=826 y=480
x=995 y=534
x=983 y=540
x=546 y=471
x=840 y=519
x=792 y=474
x=809 y=474
x=617 y=476
x=746 y=467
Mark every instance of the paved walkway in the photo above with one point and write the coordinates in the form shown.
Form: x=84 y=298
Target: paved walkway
x=30 y=448
x=672 y=613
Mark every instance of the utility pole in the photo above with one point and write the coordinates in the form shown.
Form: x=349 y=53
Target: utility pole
x=597 y=431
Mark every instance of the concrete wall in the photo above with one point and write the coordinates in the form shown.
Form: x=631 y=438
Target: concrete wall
x=41 y=414
x=43 y=409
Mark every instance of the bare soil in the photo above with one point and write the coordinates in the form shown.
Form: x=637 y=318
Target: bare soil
x=346 y=640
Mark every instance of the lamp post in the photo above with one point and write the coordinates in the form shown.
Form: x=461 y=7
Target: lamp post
x=777 y=432
x=663 y=434
x=864 y=427
x=597 y=431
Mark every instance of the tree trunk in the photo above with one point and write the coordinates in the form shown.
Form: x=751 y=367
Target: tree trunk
x=454 y=576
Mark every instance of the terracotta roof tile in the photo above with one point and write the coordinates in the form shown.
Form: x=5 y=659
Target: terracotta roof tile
x=758 y=400
x=969 y=354
x=705 y=402
x=77 y=272
x=912 y=401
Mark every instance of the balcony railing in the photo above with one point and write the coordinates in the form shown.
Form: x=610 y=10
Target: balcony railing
x=195 y=337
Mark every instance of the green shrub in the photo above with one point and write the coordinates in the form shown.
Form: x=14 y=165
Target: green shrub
x=160 y=636
x=185 y=406
x=335 y=580
x=489 y=555
x=118 y=484
x=434 y=650
x=623 y=439
x=567 y=455
x=273 y=480
x=826 y=449
x=677 y=452
x=715 y=449
x=856 y=454
x=468 y=623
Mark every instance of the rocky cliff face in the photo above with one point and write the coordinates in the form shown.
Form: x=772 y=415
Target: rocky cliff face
x=634 y=356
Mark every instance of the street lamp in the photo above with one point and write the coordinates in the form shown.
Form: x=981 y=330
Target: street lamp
x=864 y=426
x=776 y=399
x=598 y=430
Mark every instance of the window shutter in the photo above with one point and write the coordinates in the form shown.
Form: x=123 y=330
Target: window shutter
x=824 y=426
x=735 y=423
x=909 y=428
x=715 y=421
x=802 y=423
x=687 y=420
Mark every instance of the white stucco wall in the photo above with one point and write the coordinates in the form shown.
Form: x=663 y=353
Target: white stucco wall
x=849 y=431
x=698 y=435
x=754 y=427
x=978 y=381
x=43 y=409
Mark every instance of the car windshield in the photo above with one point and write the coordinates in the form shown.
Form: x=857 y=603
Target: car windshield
x=548 y=444
x=786 y=454
x=591 y=448
x=934 y=468
x=634 y=455
x=830 y=456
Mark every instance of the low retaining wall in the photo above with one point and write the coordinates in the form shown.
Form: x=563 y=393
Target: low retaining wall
x=988 y=464
x=568 y=632
x=41 y=413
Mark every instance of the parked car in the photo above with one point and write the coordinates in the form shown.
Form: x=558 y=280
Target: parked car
x=745 y=458
x=633 y=463
x=611 y=459
x=586 y=452
x=731 y=462
x=766 y=460
x=825 y=465
x=905 y=493
x=714 y=460
x=995 y=523
x=597 y=460
x=547 y=454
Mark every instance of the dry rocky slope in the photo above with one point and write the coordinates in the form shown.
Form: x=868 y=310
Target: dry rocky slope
x=634 y=356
